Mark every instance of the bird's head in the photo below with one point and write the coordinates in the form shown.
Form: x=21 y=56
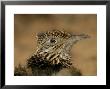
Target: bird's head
x=57 y=42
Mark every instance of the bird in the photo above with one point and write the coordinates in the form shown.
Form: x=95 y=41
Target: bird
x=53 y=52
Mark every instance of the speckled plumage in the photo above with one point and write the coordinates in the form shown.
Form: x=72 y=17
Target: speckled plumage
x=52 y=54
x=53 y=51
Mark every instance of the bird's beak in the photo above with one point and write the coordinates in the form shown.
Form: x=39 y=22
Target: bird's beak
x=76 y=38
x=72 y=40
x=81 y=36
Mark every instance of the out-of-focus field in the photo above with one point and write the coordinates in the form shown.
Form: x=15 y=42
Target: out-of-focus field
x=84 y=53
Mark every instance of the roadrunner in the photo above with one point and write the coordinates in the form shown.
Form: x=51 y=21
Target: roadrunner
x=53 y=52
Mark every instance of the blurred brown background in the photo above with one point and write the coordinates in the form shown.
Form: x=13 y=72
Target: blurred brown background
x=84 y=53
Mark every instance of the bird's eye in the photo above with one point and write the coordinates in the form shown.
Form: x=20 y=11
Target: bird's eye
x=52 y=40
